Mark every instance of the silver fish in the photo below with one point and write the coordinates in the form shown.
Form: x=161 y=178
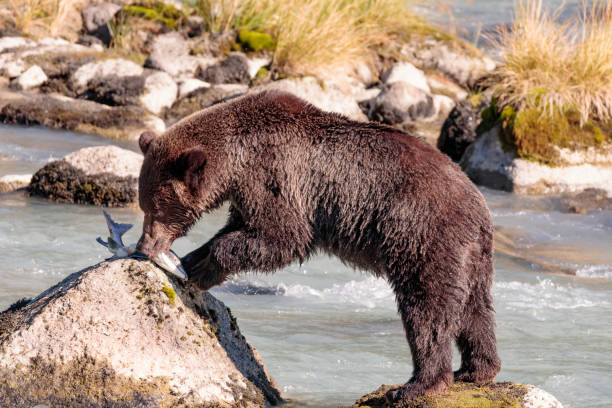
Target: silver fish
x=168 y=260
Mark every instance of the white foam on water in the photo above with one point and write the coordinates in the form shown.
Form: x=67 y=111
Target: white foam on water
x=370 y=292
x=595 y=271
x=545 y=295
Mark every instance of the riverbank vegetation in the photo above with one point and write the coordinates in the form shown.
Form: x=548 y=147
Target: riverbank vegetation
x=304 y=34
x=554 y=86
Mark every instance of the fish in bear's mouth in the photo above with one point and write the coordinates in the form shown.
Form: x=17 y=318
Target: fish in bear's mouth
x=167 y=260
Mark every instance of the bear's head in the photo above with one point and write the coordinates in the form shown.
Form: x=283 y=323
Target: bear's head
x=169 y=191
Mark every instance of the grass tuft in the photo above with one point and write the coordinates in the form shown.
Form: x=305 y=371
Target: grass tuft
x=555 y=67
x=311 y=34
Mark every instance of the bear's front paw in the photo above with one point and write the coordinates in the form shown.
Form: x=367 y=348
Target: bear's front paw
x=403 y=393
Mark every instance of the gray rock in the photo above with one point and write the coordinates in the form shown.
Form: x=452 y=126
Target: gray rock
x=122 y=122
x=159 y=92
x=333 y=95
x=33 y=77
x=399 y=102
x=232 y=70
x=591 y=199
x=122 y=333
x=96 y=17
x=202 y=98
x=12 y=182
x=406 y=72
x=170 y=53
x=115 y=90
x=486 y=163
x=188 y=85
x=115 y=67
x=100 y=175
x=459 y=130
x=465 y=64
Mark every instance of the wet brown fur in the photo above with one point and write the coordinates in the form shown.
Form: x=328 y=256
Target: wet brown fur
x=301 y=180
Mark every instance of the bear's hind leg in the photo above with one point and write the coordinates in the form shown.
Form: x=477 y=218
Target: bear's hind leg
x=476 y=340
x=430 y=319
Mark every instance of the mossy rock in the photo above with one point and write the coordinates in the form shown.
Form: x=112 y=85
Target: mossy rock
x=61 y=182
x=537 y=136
x=255 y=41
x=156 y=11
x=459 y=395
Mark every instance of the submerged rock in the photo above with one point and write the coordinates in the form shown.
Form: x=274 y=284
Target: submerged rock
x=466 y=395
x=123 y=334
x=100 y=175
x=487 y=163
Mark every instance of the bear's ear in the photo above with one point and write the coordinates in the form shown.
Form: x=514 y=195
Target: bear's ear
x=190 y=165
x=145 y=140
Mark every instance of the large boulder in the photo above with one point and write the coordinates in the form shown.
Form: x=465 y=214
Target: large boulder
x=100 y=175
x=202 y=97
x=487 y=163
x=331 y=95
x=401 y=101
x=465 y=395
x=57 y=111
x=170 y=53
x=122 y=334
x=115 y=67
x=232 y=70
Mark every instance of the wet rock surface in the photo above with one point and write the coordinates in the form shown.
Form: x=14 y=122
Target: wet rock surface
x=466 y=395
x=123 y=334
x=57 y=111
x=102 y=175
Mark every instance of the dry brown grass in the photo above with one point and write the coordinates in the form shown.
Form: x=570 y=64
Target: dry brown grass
x=311 y=34
x=38 y=18
x=558 y=67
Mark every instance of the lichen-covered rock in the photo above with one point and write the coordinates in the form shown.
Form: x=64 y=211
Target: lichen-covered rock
x=12 y=182
x=123 y=334
x=466 y=395
x=100 y=175
x=487 y=163
x=232 y=70
x=202 y=98
x=121 y=122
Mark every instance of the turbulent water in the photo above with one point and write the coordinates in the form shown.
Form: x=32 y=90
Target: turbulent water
x=329 y=334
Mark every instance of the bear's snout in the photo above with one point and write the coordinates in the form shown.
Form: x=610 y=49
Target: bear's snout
x=154 y=239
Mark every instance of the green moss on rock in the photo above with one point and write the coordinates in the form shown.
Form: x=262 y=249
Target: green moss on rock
x=459 y=395
x=168 y=291
x=256 y=41
x=156 y=11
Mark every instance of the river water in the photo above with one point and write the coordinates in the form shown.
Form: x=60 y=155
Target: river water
x=329 y=334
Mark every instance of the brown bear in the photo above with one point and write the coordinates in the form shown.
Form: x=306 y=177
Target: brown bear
x=301 y=180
